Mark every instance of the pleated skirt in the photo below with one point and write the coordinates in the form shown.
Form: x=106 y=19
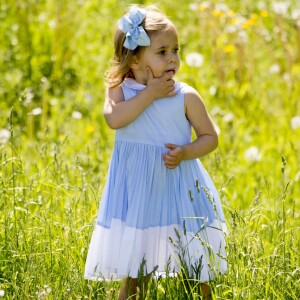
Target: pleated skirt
x=156 y=220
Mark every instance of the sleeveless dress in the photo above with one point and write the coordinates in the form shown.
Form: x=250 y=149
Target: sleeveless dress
x=152 y=218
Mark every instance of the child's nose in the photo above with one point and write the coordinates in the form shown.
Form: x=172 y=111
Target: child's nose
x=172 y=58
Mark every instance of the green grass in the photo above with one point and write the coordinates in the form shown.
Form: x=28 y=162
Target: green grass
x=53 y=167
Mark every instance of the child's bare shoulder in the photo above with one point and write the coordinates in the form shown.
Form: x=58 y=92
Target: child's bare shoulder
x=192 y=97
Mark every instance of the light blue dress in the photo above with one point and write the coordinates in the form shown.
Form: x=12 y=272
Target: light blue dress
x=165 y=218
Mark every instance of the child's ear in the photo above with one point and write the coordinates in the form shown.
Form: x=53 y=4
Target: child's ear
x=135 y=63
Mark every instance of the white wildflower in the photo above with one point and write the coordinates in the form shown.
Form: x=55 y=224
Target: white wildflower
x=52 y=24
x=242 y=37
x=261 y=5
x=213 y=90
x=4 y=136
x=252 y=154
x=2 y=293
x=228 y=117
x=295 y=122
x=266 y=34
x=296 y=14
x=240 y=20
x=14 y=41
x=42 y=17
x=194 y=59
x=53 y=101
x=88 y=97
x=280 y=7
x=230 y=28
x=77 y=115
x=29 y=95
x=36 y=111
x=15 y=27
x=193 y=6
x=48 y=289
x=222 y=7
x=216 y=110
x=264 y=226
x=274 y=69
x=286 y=77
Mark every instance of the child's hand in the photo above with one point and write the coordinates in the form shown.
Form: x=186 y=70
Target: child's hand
x=174 y=156
x=162 y=86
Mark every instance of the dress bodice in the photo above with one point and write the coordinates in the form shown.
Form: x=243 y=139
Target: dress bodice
x=164 y=121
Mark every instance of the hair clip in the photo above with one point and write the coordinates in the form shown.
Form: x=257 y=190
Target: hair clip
x=135 y=33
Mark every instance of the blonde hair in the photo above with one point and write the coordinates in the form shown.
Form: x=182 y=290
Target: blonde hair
x=120 y=65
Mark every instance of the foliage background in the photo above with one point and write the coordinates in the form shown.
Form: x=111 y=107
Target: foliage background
x=55 y=146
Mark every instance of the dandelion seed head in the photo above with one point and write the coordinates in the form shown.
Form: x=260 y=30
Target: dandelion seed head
x=216 y=110
x=193 y=6
x=88 y=97
x=295 y=14
x=36 y=111
x=77 y=115
x=231 y=28
x=15 y=27
x=53 y=101
x=212 y=90
x=4 y=136
x=264 y=226
x=239 y=21
x=222 y=7
x=266 y=35
x=242 y=37
x=274 y=69
x=286 y=77
x=261 y=5
x=252 y=154
x=194 y=59
x=228 y=117
x=42 y=17
x=52 y=24
x=28 y=96
x=280 y=7
x=295 y=122
x=14 y=41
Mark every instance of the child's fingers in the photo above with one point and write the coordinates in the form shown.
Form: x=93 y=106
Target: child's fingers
x=167 y=75
x=170 y=146
x=149 y=73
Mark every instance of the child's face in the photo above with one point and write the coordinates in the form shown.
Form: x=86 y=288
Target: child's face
x=161 y=56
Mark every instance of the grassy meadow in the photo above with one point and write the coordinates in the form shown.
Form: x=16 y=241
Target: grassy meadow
x=244 y=59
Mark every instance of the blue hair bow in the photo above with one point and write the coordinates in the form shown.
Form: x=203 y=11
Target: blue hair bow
x=135 y=34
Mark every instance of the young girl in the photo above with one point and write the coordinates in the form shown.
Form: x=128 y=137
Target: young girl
x=159 y=210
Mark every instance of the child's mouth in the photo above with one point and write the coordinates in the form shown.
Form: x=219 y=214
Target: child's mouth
x=171 y=70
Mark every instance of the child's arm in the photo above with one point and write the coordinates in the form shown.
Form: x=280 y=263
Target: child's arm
x=119 y=113
x=207 y=138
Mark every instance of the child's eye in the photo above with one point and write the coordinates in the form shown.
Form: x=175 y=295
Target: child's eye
x=161 y=52
x=175 y=50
